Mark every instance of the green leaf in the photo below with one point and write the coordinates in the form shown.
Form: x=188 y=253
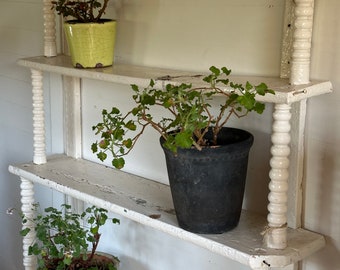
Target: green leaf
x=226 y=71
x=134 y=87
x=215 y=70
x=94 y=230
x=247 y=101
x=118 y=163
x=102 y=156
x=148 y=100
x=25 y=231
x=115 y=110
x=131 y=125
x=248 y=86
x=259 y=107
x=208 y=78
x=224 y=81
x=184 y=140
x=115 y=221
x=67 y=260
x=103 y=144
x=127 y=143
x=261 y=89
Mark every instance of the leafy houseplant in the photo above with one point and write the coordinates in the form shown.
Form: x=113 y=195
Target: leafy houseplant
x=191 y=127
x=191 y=112
x=82 y=11
x=90 y=38
x=63 y=240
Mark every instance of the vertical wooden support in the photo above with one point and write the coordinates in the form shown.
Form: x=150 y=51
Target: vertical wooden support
x=300 y=47
x=302 y=42
x=39 y=146
x=27 y=200
x=299 y=74
x=287 y=39
x=72 y=116
x=50 y=46
x=276 y=234
x=72 y=128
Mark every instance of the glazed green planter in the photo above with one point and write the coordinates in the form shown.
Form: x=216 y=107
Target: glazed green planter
x=91 y=45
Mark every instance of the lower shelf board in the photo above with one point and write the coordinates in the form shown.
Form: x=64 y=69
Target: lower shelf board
x=149 y=203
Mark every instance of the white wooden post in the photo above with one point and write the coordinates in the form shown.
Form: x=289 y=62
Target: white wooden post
x=27 y=200
x=50 y=47
x=302 y=42
x=39 y=146
x=276 y=234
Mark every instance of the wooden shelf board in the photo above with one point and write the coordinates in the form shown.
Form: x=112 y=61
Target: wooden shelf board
x=149 y=203
x=131 y=74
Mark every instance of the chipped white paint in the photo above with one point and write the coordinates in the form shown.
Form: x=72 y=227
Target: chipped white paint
x=130 y=74
x=27 y=201
x=285 y=94
x=38 y=118
x=287 y=39
x=150 y=203
x=50 y=47
x=72 y=130
x=72 y=116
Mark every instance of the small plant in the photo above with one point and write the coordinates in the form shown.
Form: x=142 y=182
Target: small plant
x=81 y=10
x=189 y=110
x=63 y=238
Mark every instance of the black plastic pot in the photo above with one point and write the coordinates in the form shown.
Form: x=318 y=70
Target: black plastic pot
x=207 y=186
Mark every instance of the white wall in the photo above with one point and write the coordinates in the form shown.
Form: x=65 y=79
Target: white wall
x=15 y=114
x=191 y=35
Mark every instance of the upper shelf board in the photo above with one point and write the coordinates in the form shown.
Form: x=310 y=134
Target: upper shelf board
x=150 y=203
x=131 y=74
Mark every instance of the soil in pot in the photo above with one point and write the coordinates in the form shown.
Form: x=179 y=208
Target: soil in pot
x=207 y=186
x=100 y=260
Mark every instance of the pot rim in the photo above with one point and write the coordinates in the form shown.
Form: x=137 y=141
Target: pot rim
x=248 y=140
x=101 y=21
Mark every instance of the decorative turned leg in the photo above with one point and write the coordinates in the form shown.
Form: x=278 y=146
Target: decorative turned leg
x=27 y=200
x=50 y=47
x=39 y=156
x=302 y=42
x=276 y=234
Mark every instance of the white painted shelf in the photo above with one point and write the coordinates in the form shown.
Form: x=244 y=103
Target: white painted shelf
x=150 y=203
x=130 y=74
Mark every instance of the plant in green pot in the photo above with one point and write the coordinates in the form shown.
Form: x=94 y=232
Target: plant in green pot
x=206 y=161
x=90 y=38
x=67 y=240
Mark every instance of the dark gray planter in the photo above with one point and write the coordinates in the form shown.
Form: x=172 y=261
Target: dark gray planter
x=207 y=186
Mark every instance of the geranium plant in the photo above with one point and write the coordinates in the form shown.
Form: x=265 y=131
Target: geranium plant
x=63 y=238
x=81 y=10
x=189 y=113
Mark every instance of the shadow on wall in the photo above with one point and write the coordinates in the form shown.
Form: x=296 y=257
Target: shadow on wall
x=328 y=201
x=256 y=192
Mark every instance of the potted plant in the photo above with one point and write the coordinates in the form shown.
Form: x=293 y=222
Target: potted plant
x=90 y=38
x=206 y=161
x=63 y=238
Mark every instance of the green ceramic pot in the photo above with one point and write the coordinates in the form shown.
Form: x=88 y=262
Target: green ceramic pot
x=91 y=45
